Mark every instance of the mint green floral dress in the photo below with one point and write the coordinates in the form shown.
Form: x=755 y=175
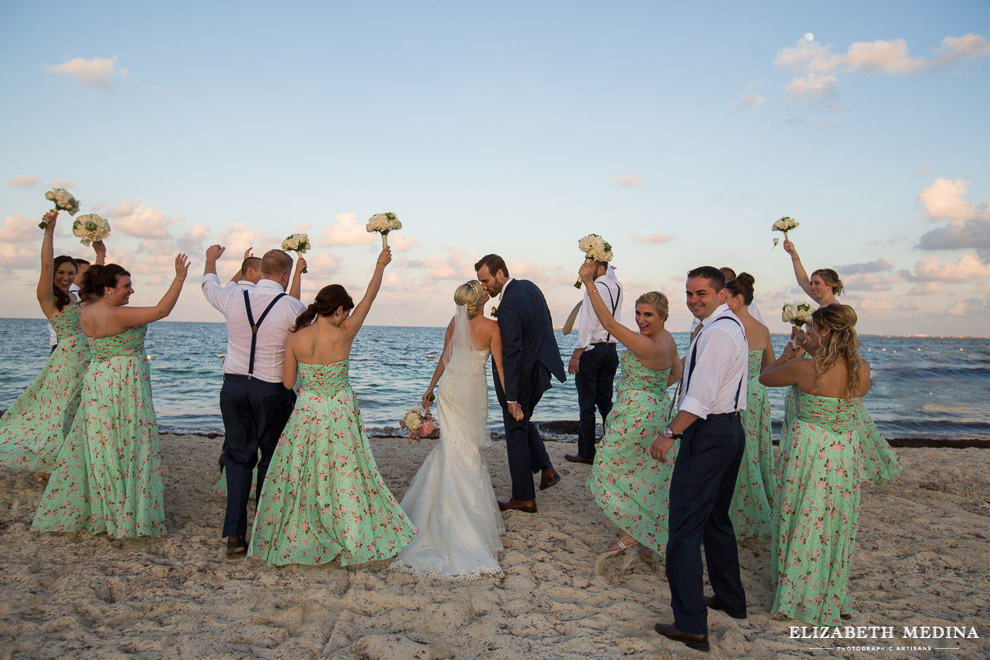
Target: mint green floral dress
x=751 y=509
x=34 y=427
x=108 y=476
x=323 y=497
x=817 y=510
x=630 y=486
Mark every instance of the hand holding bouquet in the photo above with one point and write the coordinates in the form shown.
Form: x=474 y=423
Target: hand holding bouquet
x=420 y=424
x=595 y=248
x=64 y=201
x=785 y=224
x=383 y=223
x=797 y=315
x=298 y=243
x=90 y=228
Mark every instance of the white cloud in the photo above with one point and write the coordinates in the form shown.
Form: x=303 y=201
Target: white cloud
x=346 y=231
x=883 y=57
x=926 y=289
x=814 y=85
x=524 y=269
x=139 y=220
x=64 y=183
x=968 y=46
x=19 y=255
x=655 y=237
x=748 y=100
x=320 y=266
x=968 y=269
x=628 y=180
x=400 y=242
x=18 y=229
x=192 y=241
x=24 y=181
x=458 y=265
x=876 y=266
x=97 y=72
x=867 y=282
x=945 y=200
x=237 y=238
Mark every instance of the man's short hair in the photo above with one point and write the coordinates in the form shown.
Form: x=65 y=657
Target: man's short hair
x=81 y=262
x=276 y=263
x=494 y=263
x=250 y=263
x=710 y=273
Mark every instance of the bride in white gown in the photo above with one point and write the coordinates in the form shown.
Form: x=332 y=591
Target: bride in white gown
x=451 y=501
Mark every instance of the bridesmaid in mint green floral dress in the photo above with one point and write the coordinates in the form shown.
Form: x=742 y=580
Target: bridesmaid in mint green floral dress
x=752 y=503
x=34 y=427
x=627 y=483
x=323 y=497
x=108 y=476
x=817 y=507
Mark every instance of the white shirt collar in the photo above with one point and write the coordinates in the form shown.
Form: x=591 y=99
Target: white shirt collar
x=504 y=287
x=265 y=283
x=719 y=311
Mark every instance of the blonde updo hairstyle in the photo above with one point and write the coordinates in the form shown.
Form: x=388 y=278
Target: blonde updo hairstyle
x=659 y=302
x=842 y=343
x=831 y=279
x=469 y=294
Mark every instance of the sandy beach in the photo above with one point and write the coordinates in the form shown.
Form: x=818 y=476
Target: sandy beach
x=922 y=559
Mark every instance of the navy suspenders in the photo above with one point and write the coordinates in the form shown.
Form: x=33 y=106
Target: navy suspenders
x=255 y=326
x=615 y=303
x=694 y=356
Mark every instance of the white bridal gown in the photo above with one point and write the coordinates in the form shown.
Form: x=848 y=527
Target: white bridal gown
x=451 y=501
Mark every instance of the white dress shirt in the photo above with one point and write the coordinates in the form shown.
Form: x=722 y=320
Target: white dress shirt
x=753 y=310
x=590 y=330
x=722 y=364
x=269 y=354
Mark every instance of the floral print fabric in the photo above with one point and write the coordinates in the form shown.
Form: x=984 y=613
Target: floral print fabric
x=34 y=427
x=751 y=509
x=108 y=476
x=323 y=496
x=630 y=486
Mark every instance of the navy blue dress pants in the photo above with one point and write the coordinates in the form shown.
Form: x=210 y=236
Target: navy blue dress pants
x=596 y=373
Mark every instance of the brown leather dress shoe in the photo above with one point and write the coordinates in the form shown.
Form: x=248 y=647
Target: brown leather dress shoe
x=549 y=478
x=526 y=506
x=577 y=458
x=715 y=605
x=670 y=631
x=237 y=546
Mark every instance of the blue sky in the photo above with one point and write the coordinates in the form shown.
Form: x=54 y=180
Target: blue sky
x=679 y=132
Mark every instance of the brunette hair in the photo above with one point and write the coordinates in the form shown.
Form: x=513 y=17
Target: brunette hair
x=328 y=300
x=98 y=278
x=659 y=302
x=742 y=285
x=494 y=263
x=710 y=273
x=830 y=278
x=61 y=297
x=842 y=343
x=728 y=273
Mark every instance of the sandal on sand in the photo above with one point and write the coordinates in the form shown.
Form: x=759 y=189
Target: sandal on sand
x=622 y=544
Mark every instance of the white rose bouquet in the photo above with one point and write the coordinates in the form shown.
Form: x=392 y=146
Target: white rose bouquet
x=383 y=223
x=420 y=424
x=297 y=243
x=90 y=228
x=595 y=248
x=797 y=315
x=785 y=224
x=64 y=201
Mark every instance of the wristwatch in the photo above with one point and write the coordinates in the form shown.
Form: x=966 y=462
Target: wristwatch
x=670 y=435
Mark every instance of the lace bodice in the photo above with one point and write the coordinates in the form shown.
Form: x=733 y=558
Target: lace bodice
x=129 y=343
x=325 y=380
x=636 y=376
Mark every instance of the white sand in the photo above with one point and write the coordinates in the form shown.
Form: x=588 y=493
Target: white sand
x=921 y=558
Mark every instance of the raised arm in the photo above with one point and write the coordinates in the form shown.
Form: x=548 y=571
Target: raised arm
x=785 y=370
x=128 y=317
x=239 y=275
x=799 y=272
x=637 y=343
x=441 y=364
x=360 y=313
x=100 y=248
x=46 y=292
x=290 y=366
x=295 y=288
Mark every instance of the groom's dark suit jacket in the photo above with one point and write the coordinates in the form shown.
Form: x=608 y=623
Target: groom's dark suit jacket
x=529 y=347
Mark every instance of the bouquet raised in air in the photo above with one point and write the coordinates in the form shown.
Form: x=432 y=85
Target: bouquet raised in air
x=785 y=224
x=420 y=424
x=64 y=201
x=797 y=315
x=595 y=248
x=383 y=223
x=90 y=228
x=297 y=243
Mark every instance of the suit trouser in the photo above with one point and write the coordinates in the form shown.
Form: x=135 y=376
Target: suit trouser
x=527 y=454
x=254 y=416
x=701 y=490
x=596 y=371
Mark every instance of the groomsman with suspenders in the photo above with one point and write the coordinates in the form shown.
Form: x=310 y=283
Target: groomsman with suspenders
x=713 y=391
x=253 y=402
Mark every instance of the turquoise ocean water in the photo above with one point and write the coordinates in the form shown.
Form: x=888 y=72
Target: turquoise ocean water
x=924 y=387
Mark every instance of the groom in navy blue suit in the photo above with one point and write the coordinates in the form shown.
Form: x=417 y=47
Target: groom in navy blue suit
x=529 y=356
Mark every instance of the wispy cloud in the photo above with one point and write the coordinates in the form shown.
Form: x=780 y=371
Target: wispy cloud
x=876 y=266
x=98 y=72
x=628 y=180
x=18 y=229
x=655 y=237
x=23 y=181
x=139 y=220
x=346 y=231
x=969 y=268
x=748 y=101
